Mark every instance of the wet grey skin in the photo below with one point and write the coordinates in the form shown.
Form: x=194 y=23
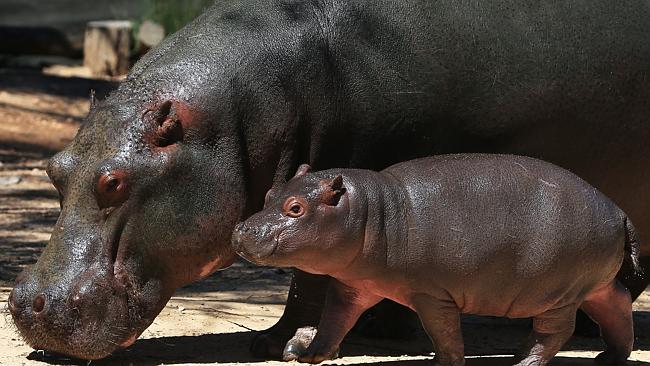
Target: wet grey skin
x=205 y=123
x=483 y=234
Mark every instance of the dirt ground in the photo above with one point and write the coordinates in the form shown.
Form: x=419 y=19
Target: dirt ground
x=211 y=322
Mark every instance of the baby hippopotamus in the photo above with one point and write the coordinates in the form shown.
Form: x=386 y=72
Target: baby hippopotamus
x=481 y=234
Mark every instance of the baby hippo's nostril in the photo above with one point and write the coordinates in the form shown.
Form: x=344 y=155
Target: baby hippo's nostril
x=39 y=304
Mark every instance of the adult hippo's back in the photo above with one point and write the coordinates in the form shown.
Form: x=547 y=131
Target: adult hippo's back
x=155 y=180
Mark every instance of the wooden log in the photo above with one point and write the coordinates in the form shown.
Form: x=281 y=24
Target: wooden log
x=107 y=44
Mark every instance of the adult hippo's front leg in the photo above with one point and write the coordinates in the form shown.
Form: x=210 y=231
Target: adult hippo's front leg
x=302 y=310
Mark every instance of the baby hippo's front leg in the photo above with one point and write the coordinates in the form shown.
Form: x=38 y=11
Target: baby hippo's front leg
x=343 y=306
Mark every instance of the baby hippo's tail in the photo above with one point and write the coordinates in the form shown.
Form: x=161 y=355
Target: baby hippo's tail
x=632 y=247
x=631 y=274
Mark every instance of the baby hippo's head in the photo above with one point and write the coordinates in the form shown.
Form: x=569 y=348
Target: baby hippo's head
x=304 y=224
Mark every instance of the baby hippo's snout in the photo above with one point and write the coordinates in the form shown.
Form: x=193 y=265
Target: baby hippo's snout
x=254 y=243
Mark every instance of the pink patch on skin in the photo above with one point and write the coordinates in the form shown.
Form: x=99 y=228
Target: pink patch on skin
x=209 y=268
x=186 y=114
x=224 y=257
x=129 y=341
x=213 y=266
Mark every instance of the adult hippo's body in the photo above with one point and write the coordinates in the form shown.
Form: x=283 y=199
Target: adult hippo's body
x=164 y=168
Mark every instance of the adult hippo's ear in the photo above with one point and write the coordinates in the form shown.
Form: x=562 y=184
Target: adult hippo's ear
x=333 y=191
x=302 y=170
x=93 y=99
x=167 y=124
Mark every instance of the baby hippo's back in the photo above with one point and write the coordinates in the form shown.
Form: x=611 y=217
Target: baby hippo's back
x=505 y=235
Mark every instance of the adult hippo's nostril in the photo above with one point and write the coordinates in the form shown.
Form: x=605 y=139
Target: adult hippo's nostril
x=38 y=305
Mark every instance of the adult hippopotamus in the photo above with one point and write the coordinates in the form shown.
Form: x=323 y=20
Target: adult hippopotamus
x=464 y=233
x=187 y=146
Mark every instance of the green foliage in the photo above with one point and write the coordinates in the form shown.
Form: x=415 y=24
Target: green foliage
x=174 y=14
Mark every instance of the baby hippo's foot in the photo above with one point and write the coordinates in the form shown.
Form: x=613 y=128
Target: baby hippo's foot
x=611 y=357
x=300 y=348
x=297 y=346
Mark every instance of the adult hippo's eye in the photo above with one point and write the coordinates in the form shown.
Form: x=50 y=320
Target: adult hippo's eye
x=294 y=207
x=112 y=189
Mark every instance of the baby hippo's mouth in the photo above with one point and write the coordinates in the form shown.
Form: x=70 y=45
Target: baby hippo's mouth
x=246 y=243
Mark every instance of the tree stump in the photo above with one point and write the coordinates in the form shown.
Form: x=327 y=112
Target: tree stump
x=106 y=47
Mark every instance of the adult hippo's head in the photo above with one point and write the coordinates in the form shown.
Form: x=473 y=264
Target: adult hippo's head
x=147 y=206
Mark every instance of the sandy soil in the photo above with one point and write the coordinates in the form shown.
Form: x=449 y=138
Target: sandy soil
x=211 y=322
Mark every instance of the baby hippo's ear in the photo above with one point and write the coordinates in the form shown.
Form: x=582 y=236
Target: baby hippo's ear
x=267 y=197
x=334 y=189
x=302 y=170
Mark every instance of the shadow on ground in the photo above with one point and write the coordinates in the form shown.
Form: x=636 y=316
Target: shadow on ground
x=500 y=361
x=483 y=337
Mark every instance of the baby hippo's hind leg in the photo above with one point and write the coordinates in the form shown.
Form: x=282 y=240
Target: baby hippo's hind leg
x=551 y=330
x=611 y=308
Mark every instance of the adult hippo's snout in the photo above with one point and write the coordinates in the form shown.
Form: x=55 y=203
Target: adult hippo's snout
x=78 y=300
x=69 y=319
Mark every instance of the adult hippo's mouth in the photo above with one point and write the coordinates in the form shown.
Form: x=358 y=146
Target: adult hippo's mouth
x=66 y=326
x=100 y=309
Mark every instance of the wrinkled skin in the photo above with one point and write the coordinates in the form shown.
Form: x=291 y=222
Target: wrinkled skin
x=467 y=233
x=249 y=90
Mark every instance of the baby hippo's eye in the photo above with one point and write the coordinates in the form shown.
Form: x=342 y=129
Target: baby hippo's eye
x=293 y=207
